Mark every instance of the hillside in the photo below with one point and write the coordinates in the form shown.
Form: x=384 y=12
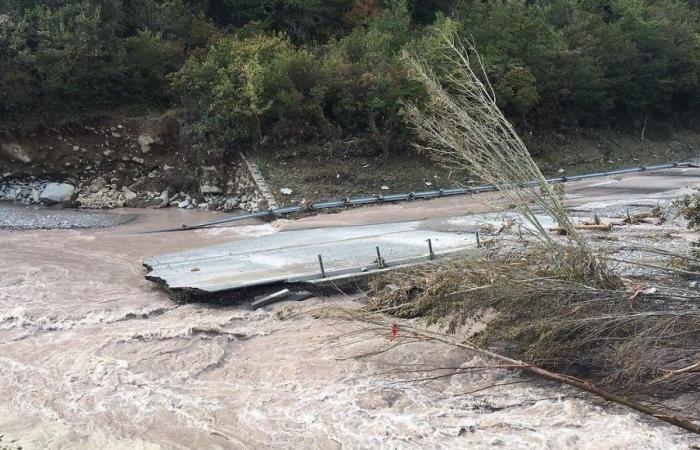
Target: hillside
x=282 y=75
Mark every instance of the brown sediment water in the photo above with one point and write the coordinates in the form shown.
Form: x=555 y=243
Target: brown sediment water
x=94 y=356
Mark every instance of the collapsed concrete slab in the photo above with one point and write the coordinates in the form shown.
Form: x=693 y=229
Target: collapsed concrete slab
x=290 y=260
x=300 y=259
x=285 y=295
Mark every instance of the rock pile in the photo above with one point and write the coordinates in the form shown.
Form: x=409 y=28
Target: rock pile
x=100 y=194
x=24 y=192
x=131 y=163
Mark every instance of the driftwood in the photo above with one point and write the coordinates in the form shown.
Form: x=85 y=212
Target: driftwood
x=690 y=369
x=578 y=383
x=588 y=387
x=585 y=226
x=653 y=217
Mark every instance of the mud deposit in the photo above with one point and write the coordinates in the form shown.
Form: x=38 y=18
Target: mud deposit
x=94 y=356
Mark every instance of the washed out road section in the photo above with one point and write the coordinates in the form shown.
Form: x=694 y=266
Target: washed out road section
x=293 y=256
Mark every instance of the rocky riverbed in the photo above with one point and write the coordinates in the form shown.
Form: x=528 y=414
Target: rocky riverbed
x=13 y=217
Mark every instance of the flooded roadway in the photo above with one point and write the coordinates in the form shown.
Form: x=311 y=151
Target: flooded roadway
x=94 y=356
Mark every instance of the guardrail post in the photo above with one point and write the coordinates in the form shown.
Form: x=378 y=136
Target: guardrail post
x=320 y=263
x=380 y=261
x=478 y=242
x=430 y=249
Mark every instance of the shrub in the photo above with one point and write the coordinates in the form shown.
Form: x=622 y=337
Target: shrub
x=243 y=86
x=336 y=67
x=368 y=80
x=148 y=60
x=61 y=59
x=68 y=63
x=689 y=208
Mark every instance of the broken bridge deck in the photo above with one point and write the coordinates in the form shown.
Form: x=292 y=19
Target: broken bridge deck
x=292 y=257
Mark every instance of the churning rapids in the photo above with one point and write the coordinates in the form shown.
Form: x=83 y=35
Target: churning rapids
x=94 y=356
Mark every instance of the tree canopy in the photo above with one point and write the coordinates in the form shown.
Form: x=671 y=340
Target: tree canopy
x=246 y=70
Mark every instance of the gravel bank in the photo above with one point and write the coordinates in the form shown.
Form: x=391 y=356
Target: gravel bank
x=14 y=217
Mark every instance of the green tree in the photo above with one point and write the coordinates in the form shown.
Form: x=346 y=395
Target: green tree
x=301 y=20
x=368 y=80
x=243 y=87
x=149 y=60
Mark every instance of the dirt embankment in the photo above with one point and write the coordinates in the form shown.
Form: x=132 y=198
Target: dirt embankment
x=145 y=162
x=140 y=162
x=352 y=168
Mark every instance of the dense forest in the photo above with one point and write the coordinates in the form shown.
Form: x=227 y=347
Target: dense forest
x=245 y=72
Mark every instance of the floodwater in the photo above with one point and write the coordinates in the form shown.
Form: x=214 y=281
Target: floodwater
x=94 y=356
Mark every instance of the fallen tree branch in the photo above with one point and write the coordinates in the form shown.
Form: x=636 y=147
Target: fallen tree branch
x=652 y=266
x=578 y=383
x=690 y=369
x=585 y=386
x=590 y=227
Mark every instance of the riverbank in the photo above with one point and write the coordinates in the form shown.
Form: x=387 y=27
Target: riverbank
x=145 y=162
x=142 y=162
x=346 y=170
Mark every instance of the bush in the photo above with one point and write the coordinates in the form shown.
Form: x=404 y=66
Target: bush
x=304 y=68
x=149 y=60
x=242 y=87
x=300 y=20
x=689 y=208
x=368 y=80
x=253 y=85
x=647 y=53
x=15 y=73
x=61 y=60
x=69 y=63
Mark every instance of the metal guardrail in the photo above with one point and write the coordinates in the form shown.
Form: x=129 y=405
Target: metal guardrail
x=420 y=195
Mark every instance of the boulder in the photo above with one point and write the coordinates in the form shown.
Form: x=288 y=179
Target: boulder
x=16 y=152
x=210 y=189
x=130 y=198
x=145 y=141
x=164 y=199
x=97 y=185
x=230 y=203
x=61 y=193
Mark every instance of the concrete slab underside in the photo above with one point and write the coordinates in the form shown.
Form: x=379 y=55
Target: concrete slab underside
x=293 y=256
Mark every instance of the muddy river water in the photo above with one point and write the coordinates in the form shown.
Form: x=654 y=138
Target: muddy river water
x=94 y=356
